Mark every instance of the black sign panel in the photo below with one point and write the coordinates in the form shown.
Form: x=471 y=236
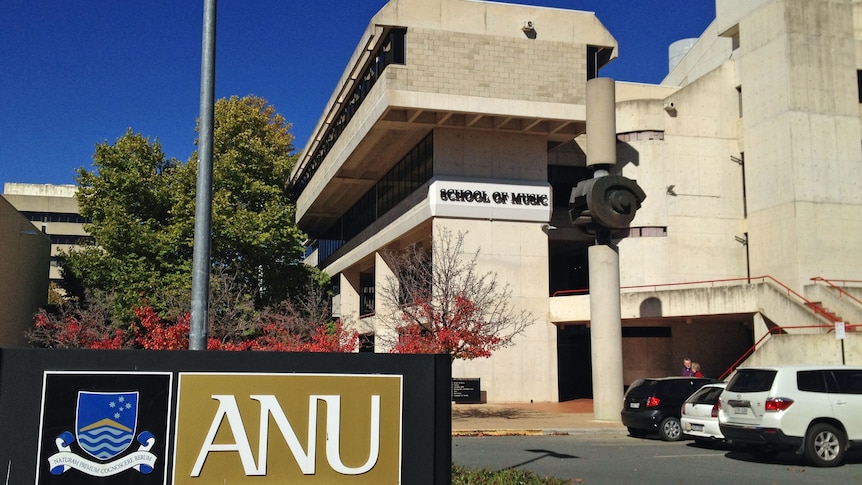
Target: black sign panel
x=100 y=425
x=111 y=417
x=466 y=391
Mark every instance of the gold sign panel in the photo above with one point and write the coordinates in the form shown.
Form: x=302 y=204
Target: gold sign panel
x=288 y=428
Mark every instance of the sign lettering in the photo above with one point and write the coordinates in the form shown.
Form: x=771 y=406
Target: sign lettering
x=326 y=428
x=305 y=459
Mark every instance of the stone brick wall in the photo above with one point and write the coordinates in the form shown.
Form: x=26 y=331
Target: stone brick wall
x=495 y=66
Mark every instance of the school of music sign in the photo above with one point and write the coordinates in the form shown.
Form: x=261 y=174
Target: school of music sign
x=475 y=199
x=235 y=417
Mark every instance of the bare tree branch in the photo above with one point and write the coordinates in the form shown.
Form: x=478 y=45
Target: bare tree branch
x=442 y=304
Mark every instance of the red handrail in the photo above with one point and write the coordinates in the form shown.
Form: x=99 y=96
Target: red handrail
x=775 y=330
x=748 y=352
x=815 y=307
x=838 y=288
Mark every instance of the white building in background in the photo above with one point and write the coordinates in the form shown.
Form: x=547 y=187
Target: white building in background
x=54 y=210
x=749 y=152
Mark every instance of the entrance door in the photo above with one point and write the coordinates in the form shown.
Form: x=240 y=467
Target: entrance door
x=574 y=364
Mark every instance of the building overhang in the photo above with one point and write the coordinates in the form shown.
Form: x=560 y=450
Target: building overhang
x=401 y=119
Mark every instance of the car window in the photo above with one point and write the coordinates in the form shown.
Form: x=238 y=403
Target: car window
x=711 y=396
x=682 y=388
x=642 y=389
x=707 y=395
x=697 y=397
x=849 y=381
x=811 y=380
x=751 y=380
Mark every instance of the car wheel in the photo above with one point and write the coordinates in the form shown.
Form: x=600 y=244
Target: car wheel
x=637 y=432
x=825 y=445
x=670 y=429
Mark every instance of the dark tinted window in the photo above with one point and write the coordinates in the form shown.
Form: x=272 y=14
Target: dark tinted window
x=681 y=389
x=811 y=380
x=849 y=381
x=751 y=380
x=707 y=395
x=642 y=388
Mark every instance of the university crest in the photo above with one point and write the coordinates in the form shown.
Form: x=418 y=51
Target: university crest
x=105 y=428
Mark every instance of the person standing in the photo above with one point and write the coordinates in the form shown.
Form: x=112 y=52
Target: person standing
x=695 y=370
x=686 y=368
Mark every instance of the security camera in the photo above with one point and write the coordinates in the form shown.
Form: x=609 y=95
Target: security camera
x=528 y=26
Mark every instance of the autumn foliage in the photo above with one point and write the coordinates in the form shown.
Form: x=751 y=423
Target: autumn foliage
x=439 y=302
x=459 y=331
x=151 y=331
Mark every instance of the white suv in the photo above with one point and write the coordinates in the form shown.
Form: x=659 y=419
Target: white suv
x=816 y=410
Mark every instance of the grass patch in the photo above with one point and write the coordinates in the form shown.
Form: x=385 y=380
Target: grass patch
x=464 y=476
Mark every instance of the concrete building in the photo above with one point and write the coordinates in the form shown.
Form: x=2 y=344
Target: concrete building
x=24 y=257
x=447 y=98
x=54 y=210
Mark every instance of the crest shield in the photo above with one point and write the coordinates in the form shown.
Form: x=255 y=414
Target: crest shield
x=105 y=422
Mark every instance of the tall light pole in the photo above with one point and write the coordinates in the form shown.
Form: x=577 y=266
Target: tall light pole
x=203 y=197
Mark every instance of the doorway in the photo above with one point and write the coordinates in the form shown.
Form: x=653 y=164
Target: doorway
x=574 y=362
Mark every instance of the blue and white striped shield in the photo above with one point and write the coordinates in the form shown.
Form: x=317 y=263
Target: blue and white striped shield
x=105 y=422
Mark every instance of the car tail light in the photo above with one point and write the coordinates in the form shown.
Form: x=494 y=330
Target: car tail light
x=775 y=404
x=652 y=401
x=715 y=410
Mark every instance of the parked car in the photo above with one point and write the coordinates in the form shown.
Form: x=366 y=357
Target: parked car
x=653 y=404
x=699 y=414
x=815 y=410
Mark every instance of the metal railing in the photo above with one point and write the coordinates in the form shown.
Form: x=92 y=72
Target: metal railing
x=841 y=291
x=776 y=330
x=813 y=306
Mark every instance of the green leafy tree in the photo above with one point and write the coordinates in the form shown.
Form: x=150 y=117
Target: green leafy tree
x=141 y=208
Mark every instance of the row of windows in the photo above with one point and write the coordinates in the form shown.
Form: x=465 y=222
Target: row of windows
x=55 y=217
x=391 y=51
x=410 y=173
x=640 y=136
x=70 y=239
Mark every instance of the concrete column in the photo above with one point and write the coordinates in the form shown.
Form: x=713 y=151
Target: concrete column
x=349 y=297
x=601 y=122
x=385 y=314
x=606 y=332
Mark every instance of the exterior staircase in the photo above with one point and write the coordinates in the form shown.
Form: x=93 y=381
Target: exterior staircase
x=787 y=326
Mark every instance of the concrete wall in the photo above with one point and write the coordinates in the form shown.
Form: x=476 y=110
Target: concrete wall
x=797 y=127
x=807 y=349
x=802 y=132
x=693 y=188
x=517 y=253
x=23 y=274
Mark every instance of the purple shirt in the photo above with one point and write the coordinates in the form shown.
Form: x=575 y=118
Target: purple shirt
x=687 y=372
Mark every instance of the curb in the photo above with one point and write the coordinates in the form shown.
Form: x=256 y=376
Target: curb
x=536 y=432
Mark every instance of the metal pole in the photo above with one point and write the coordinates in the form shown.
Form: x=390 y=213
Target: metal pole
x=203 y=198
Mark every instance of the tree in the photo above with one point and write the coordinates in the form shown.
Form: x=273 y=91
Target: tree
x=141 y=208
x=71 y=326
x=443 y=305
x=128 y=201
x=288 y=327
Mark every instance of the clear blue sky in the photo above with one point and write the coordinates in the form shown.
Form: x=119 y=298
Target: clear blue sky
x=77 y=73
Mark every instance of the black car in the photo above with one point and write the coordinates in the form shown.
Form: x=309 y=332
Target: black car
x=654 y=404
